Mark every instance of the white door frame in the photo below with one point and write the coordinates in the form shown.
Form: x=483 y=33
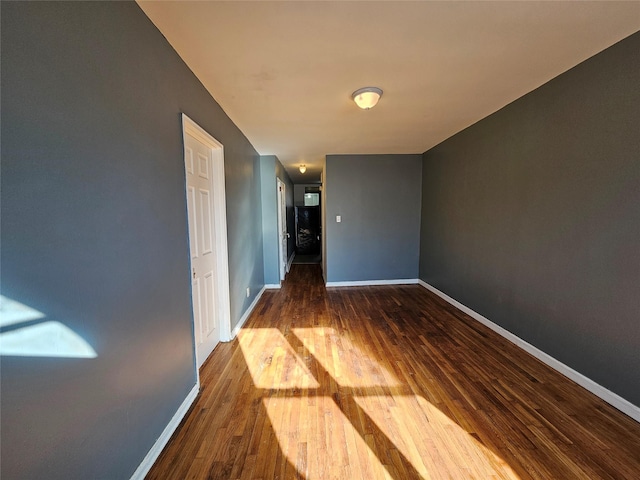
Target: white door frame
x=222 y=303
x=282 y=226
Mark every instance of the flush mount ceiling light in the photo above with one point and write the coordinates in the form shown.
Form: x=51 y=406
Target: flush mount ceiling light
x=367 y=97
x=302 y=168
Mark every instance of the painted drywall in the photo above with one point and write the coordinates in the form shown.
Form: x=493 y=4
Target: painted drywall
x=269 y=207
x=531 y=217
x=270 y=171
x=378 y=199
x=94 y=232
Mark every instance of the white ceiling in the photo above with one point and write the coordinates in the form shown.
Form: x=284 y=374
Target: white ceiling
x=284 y=71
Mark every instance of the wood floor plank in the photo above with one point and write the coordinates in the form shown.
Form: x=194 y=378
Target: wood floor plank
x=388 y=382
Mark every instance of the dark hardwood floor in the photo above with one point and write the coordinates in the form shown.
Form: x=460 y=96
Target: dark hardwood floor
x=388 y=382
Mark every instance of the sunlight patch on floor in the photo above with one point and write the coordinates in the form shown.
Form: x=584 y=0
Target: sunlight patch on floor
x=329 y=349
x=430 y=440
x=272 y=361
x=371 y=426
x=319 y=440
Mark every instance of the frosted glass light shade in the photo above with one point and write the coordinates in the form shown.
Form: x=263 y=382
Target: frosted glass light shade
x=367 y=97
x=302 y=168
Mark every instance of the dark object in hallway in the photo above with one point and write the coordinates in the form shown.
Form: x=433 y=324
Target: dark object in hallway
x=308 y=230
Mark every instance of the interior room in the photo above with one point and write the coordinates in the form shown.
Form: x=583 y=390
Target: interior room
x=217 y=262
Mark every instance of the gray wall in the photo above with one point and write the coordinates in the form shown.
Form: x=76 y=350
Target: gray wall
x=269 y=207
x=94 y=232
x=531 y=217
x=378 y=197
x=270 y=171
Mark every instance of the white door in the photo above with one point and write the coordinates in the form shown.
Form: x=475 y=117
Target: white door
x=199 y=168
x=282 y=229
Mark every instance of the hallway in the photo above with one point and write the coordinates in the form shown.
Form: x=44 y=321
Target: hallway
x=387 y=382
x=307 y=259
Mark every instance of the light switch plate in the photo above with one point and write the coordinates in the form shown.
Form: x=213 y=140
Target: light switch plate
x=338 y=218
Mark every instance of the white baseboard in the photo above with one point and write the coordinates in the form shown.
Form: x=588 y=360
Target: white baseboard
x=608 y=396
x=290 y=261
x=246 y=314
x=272 y=286
x=156 y=450
x=364 y=283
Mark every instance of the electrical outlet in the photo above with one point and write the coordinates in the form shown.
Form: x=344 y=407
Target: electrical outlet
x=248 y=292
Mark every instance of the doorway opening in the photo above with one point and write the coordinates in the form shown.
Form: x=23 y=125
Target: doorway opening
x=309 y=226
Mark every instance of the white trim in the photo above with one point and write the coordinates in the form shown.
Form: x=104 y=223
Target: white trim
x=273 y=286
x=221 y=275
x=290 y=261
x=165 y=436
x=246 y=314
x=282 y=227
x=605 y=394
x=362 y=283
